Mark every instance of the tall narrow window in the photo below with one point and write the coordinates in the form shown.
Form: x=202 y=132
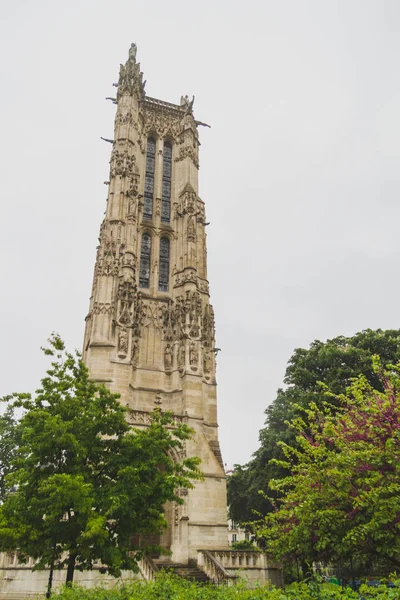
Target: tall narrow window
x=164 y=265
x=145 y=256
x=166 y=183
x=149 y=179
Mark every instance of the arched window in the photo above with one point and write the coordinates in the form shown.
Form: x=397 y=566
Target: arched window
x=164 y=265
x=149 y=179
x=145 y=257
x=166 y=183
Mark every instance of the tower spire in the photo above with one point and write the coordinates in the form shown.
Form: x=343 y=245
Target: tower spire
x=150 y=327
x=130 y=77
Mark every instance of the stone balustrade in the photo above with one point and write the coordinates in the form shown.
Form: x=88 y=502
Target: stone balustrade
x=225 y=566
x=9 y=560
x=148 y=568
x=241 y=559
x=213 y=568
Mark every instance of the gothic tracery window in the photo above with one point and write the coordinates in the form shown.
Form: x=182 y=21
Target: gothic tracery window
x=166 y=183
x=145 y=257
x=149 y=179
x=164 y=265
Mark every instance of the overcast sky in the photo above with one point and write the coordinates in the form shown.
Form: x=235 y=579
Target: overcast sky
x=299 y=173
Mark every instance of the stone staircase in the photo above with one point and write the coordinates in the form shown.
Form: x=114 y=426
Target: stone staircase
x=191 y=572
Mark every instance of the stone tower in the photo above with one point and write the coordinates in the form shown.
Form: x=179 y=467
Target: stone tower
x=150 y=328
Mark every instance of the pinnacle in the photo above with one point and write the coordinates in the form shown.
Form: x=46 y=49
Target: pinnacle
x=188 y=188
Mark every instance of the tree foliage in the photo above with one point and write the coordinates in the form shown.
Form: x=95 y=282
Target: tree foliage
x=8 y=445
x=170 y=587
x=334 y=363
x=342 y=497
x=82 y=481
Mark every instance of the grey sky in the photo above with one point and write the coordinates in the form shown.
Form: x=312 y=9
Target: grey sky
x=299 y=172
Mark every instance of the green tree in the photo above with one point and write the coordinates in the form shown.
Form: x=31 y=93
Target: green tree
x=245 y=545
x=342 y=497
x=8 y=446
x=334 y=362
x=83 y=481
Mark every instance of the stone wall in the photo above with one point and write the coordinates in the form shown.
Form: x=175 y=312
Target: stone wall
x=19 y=582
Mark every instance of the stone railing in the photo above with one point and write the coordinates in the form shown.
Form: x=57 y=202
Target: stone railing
x=256 y=568
x=176 y=108
x=241 y=559
x=207 y=562
x=148 y=568
x=9 y=560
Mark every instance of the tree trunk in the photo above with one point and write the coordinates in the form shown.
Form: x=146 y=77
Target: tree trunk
x=51 y=572
x=50 y=581
x=70 y=568
x=306 y=569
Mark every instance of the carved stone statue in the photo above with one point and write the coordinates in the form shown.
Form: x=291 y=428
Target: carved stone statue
x=168 y=358
x=135 y=352
x=123 y=342
x=194 y=331
x=191 y=229
x=206 y=361
x=193 y=355
x=187 y=104
x=132 y=52
x=181 y=355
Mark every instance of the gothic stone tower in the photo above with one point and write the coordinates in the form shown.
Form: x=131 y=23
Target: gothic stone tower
x=150 y=328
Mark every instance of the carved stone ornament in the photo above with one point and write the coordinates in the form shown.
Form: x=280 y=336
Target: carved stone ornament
x=125 y=119
x=123 y=341
x=161 y=123
x=153 y=313
x=126 y=296
x=191 y=205
x=193 y=355
x=208 y=329
x=188 y=146
x=130 y=78
x=137 y=324
x=202 y=284
x=168 y=357
x=188 y=152
x=107 y=264
x=206 y=362
x=135 y=352
x=182 y=355
x=122 y=163
x=102 y=308
x=187 y=104
x=141 y=417
x=187 y=276
x=184 y=318
x=133 y=189
x=191 y=229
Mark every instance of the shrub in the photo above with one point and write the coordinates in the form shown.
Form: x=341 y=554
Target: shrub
x=170 y=587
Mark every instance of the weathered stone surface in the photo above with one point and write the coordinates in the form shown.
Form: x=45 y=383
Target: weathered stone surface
x=158 y=339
